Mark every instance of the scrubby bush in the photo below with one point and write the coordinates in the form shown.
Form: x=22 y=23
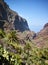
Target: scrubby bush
x=28 y=54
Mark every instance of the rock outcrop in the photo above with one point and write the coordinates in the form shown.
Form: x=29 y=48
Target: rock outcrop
x=10 y=19
x=42 y=37
x=46 y=25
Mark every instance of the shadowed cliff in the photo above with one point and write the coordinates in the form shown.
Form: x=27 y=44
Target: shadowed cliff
x=11 y=18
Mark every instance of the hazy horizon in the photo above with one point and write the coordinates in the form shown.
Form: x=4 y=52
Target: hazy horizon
x=34 y=11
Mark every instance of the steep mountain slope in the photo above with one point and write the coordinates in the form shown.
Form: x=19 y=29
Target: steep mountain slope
x=21 y=47
x=10 y=19
x=42 y=37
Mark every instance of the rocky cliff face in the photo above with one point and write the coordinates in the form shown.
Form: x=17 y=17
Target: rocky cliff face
x=10 y=19
x=42 y=37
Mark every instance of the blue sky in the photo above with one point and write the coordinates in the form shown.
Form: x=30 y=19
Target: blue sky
x=34 y=11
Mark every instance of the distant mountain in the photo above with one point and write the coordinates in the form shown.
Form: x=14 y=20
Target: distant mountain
x=19 y=45
x=42 y=37
x=10 y=20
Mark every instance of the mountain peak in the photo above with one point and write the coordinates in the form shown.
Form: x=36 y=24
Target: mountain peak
x=46 y=25
x=10 y=19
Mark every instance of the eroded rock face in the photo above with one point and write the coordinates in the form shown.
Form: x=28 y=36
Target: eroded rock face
x=21 y=24
x=46 y=25
x=3 y=13
x=42 y=37
x=12 y=18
